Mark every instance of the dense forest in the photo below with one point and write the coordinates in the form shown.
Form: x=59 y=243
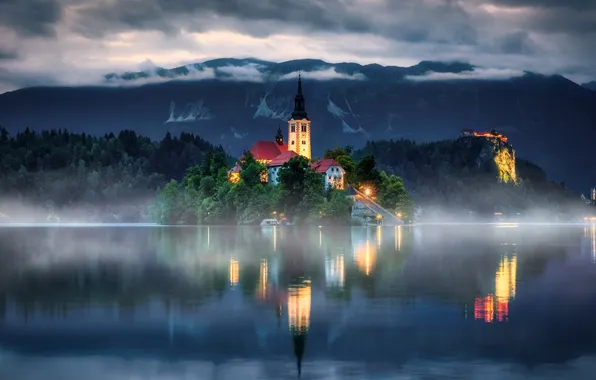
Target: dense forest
x=183 y=180
x=109 y=177
x=448 y=175
x=205 y=196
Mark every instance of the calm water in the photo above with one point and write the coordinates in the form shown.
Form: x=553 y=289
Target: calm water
x=471 y=302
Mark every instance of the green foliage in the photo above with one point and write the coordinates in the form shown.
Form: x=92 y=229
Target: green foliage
x=337 y=209
x=68 y=169
x=394 y=197
x=344 y=158
x=300 y=196
x=366 y=173
x=449 y=175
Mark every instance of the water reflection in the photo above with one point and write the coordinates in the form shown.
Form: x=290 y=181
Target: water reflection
x=368 y=297
x=497 y=304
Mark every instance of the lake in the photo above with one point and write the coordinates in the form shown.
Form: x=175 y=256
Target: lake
x=423 y=302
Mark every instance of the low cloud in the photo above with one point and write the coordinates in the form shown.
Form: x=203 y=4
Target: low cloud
x=247 y=73
x=192 y=73
x=477 y=74
x=323 y=74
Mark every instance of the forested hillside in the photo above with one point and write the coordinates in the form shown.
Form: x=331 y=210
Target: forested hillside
x=453 y=175
x=56 y=170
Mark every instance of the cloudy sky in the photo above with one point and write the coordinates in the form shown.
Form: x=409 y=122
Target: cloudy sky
x=75 y=41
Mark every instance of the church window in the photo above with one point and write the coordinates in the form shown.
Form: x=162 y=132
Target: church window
x=293 y=129
x=292 y=142
x=303 y=127
x=303 y=142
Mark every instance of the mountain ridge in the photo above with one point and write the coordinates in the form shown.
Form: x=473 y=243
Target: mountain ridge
x=270 y=68
x=541 y=114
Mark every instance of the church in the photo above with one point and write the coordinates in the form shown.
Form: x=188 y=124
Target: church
x=274 y=154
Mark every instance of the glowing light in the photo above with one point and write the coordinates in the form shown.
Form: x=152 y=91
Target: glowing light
x=263 y=279
x=320 y=237
x=397 y=238
x=234 y=177
x=379 y=237
x=505 y=161
x=593 y=236
x=299 y=300
x=507 y=225
x=367 y=192
x=505 y=287
x=335 y=272
x=234 y=272
x=366 y=256
x=275 y=238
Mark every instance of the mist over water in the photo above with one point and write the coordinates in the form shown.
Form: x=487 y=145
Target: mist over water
x=487 y=301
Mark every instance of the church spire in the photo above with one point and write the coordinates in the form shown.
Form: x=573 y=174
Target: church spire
x=299 y=107
x=279 y=138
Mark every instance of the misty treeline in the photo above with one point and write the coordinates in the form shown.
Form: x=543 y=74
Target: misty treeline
x=206 y=196
x=56 y=170
x=448 y=175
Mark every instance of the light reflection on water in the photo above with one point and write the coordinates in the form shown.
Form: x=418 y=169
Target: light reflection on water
x=355 y=302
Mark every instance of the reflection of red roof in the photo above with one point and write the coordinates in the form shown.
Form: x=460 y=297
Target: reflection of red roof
x=282 y=158
x=322 y=166
x=267 y=150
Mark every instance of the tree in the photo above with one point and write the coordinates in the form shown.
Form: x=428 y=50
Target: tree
x=366 y=173
x=394 y=197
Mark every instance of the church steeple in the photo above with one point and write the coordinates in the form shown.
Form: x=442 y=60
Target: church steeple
x=299 y=125
x=299 y=106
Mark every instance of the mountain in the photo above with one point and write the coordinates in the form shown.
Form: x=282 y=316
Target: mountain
x=234 y=102
x=590 y=85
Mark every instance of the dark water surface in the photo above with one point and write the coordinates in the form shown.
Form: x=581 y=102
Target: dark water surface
x=434 y=302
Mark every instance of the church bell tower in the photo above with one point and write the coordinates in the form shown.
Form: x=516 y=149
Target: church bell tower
x=299 y=126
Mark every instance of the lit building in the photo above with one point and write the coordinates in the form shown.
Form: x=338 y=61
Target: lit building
x=276 y=164
x=489 y=135
x=299 y=126
x=274 y=154
x=332 y=171
x=593 y=194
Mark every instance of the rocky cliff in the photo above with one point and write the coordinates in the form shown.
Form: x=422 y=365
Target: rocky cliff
x=498 y=155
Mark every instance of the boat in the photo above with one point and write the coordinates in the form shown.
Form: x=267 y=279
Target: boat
x=270 y=222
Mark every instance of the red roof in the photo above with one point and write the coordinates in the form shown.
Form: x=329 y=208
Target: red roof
x=322 y=166
x=282 y=158
x=235 y=169
x=267 y=150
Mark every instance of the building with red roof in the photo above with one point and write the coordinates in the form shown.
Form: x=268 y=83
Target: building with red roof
x=333 y=172
x=265 y=151
x=276 y=153
x=275 y=164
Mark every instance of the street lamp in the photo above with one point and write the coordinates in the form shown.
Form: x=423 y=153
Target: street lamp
x=367 y=191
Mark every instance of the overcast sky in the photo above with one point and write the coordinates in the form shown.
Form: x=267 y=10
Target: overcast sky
x=75 y=41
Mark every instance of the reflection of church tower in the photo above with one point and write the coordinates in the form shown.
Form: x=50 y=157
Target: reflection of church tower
x=299 y=126
x=299 y=297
